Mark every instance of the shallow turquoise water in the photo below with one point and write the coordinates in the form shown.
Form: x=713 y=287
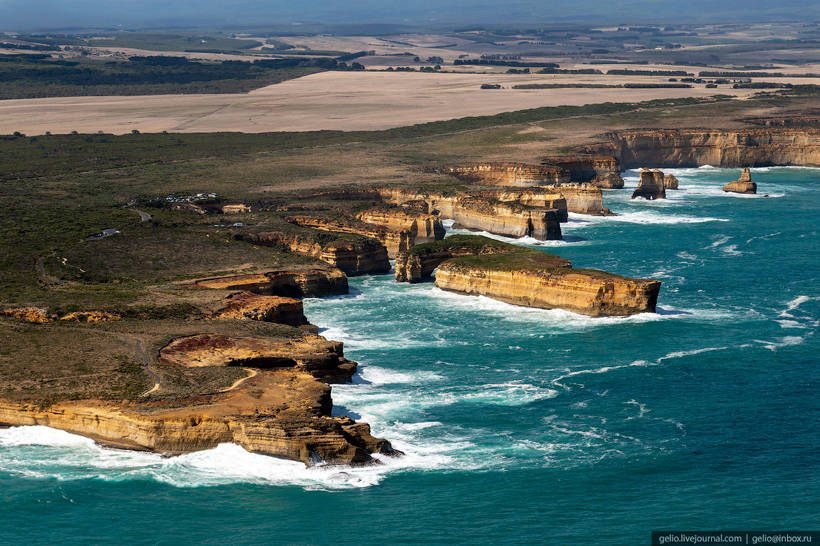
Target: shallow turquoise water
x=519 y=425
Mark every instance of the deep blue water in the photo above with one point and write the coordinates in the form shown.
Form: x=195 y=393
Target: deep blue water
x=519 y=425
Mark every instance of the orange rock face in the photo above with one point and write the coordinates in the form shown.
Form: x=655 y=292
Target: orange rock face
x=353 y=255
x=650 y=186
x=395 y=241
x=423 y=227
x=283 y=413
x=743 y=184
x=588 y=294
x=510 y=174
x=249 y=306
x=312 y=354
x=695 y=147
x=304 y=282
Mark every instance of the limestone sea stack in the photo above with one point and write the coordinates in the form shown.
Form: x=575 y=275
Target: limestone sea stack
x=670 y=182
x=650 y=186
x=743 y=184
x=524 y=276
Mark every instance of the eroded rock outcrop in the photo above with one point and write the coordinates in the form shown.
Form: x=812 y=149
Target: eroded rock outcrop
x=353 y=254
x=292 y=282
x=311 y=353
x=482 y=211
x=581 y=291
x=603 y=171
x=250 y=306
x=670 y=182
x=743 y=184
x=524 y=276
x=423 y=227
x=547 y=198
x=394 y=241
x=506 y=219
x=651 y=185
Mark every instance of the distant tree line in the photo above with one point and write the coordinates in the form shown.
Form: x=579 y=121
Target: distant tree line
x=627 y=72
x=493 y=62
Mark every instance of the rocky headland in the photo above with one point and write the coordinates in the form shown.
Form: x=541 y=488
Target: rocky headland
x=522 y=276
x=251 y=371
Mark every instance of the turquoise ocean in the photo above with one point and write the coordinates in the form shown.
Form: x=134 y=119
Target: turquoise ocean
x=519 y=425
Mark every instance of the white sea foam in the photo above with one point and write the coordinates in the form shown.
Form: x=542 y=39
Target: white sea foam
x=54 y=454
x=529 y=241
x=634 y=363
x=512 y=393
x=561 y=319
x=385 y=376
x=787 y=341
x=644 y=217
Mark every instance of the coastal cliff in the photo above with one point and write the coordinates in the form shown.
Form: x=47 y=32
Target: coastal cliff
x=523 y=276
x=293 y=282
x=483 y=211
x=599 y=170
x=506 y=219
x=603 y=171
x=422 y=226
x=283 y=413
x=395 y=241
x=590 y=293
x=756 y=147
x=547 y=198
x=508 y=174
x=355 y=255
x=250 y=306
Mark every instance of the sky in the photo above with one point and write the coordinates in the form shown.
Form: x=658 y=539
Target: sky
x=24 y=15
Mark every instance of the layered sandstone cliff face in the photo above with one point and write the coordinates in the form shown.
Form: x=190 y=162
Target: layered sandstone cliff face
x=422 y=226
x=582 y=198
x=695 y=147
x=603 y=171
x=523 y=276
x=743 y=184
x=250 y=306
x=577 y=291
x=355 y=255
x=670 y=182
x=509 y=174
x=547 y=198
x=506 y=219
x=651 y=185
x=419 y=264
x=303 y=282
x=394 y=241
x=482 y=211
x=283 y=413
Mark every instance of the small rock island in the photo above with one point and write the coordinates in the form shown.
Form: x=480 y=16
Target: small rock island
x=743 y=184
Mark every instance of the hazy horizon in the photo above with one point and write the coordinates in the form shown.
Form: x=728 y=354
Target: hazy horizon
x=22 y=16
